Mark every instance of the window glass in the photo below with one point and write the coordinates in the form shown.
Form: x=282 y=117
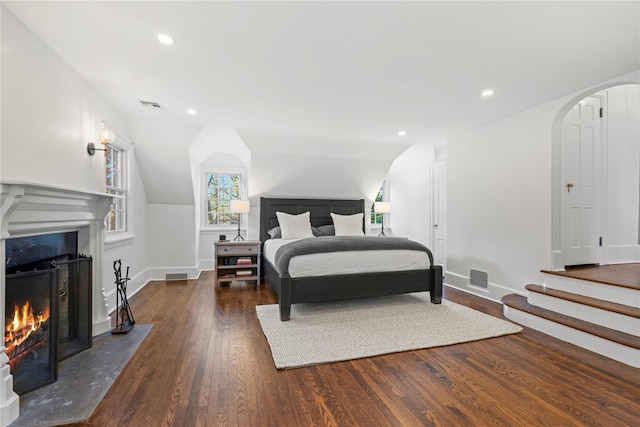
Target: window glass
x=116 y=187
x=221 y=189
x=376 y=218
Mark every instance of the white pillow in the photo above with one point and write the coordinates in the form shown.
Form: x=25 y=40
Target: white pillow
x=348 y=225
x=295 y=226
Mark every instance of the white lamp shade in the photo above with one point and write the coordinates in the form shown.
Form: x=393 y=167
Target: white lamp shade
x=239 y=206
x=381 y=207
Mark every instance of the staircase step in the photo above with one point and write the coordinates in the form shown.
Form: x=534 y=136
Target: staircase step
x=623 y=295
x=585 y=300
x=519 y=302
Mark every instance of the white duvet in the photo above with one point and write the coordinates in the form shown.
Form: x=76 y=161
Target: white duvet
x=347 y=262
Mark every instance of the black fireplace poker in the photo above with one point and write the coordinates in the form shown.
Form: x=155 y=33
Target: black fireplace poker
x=124 y=316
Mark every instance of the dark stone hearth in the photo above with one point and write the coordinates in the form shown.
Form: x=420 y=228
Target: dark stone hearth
x=83 y=380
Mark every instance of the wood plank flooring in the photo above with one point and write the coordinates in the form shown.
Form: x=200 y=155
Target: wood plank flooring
x=207 y=363
x=623 y=275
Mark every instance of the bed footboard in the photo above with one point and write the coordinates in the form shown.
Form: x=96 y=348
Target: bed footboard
x=330 y=288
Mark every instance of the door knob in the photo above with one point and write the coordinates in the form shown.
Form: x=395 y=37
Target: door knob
x=569 y=187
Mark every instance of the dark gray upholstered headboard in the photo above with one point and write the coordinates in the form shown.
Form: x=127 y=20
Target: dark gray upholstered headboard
x=320 y=210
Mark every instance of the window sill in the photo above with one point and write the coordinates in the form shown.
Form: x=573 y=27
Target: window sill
x=115 y=241
x=218 y=229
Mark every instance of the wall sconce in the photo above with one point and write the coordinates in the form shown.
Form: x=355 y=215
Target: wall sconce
x=382 y=208
x=106 y=136
x=239 y=207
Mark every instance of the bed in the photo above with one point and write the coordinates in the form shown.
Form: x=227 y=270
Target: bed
x=318 y=287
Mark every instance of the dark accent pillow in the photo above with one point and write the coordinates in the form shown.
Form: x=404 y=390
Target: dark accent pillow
x=327 y=230
x=275 y=233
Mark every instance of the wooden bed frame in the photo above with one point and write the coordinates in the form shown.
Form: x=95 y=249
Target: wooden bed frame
x=329 y=288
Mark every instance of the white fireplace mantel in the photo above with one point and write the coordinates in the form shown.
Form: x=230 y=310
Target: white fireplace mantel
x=28 y=209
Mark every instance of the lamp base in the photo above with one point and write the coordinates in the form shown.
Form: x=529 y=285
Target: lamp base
x=382 y=232
x=239 y=236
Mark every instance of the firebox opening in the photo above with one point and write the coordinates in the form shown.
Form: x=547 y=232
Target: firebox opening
x=47 y=307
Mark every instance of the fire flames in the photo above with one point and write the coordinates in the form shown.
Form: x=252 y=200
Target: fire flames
x=24 y=324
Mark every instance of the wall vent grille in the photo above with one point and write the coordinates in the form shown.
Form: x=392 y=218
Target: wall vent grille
x=151 y=104
x=479 y=278
x=176 y=276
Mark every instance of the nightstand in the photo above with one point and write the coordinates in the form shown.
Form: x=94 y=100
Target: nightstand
x=238 y=261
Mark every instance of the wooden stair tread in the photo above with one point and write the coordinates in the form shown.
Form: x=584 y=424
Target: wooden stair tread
x=519 y=302
x=585 y=300
x=621 y=275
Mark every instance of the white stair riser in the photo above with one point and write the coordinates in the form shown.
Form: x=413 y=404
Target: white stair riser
x=610 y=349
x=608 y=319
x=617 y=294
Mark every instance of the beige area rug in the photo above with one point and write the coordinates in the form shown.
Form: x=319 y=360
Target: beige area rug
x=352 y=329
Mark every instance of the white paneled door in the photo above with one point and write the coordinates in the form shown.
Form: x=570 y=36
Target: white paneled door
x=580 y=180
x=439 y=192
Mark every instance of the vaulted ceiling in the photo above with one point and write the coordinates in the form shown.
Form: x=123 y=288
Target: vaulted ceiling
x=347 y=71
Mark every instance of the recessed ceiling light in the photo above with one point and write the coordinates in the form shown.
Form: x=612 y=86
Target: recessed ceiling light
x=165 y=39
x=192 y=111
x=402 y=133
x=487 y=92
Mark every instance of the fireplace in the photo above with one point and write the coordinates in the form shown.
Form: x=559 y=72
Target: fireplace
x=29 y=209
x=47 y=306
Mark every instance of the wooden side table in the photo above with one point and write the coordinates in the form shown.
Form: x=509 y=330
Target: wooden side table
x=238 y=261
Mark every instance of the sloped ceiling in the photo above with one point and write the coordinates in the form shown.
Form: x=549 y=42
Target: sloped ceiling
x=343 y=72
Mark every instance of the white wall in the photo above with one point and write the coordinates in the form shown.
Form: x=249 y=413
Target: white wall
x=500 y=196
x=315 y=176
x=171 y=239
x=49 y=114
x=623 y=173
x=410 y=194
x=498 y=182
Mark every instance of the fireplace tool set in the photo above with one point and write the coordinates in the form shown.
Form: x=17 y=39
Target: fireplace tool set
x=124 y=316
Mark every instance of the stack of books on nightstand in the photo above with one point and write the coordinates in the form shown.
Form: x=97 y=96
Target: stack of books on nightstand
x=244 y=273
x=244 y=261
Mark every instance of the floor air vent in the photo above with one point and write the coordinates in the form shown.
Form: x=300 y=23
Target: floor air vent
x=176 y=276
x=479 y=278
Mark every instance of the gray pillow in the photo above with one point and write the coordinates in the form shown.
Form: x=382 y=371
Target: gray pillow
x=327 y=230
x=275 y=233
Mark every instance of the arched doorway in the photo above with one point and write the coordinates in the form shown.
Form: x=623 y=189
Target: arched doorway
x=596 y=178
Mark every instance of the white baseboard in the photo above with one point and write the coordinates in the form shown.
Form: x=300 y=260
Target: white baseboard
x=160 y=273
x=206 y=265
x=494 y=292
x=623 y=254
x=140 y=280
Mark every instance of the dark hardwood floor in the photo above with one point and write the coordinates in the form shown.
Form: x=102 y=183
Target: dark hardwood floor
x=207 y=363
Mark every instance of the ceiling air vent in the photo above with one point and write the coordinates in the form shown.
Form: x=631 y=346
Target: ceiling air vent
x=151 y=104
x=479 y=278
